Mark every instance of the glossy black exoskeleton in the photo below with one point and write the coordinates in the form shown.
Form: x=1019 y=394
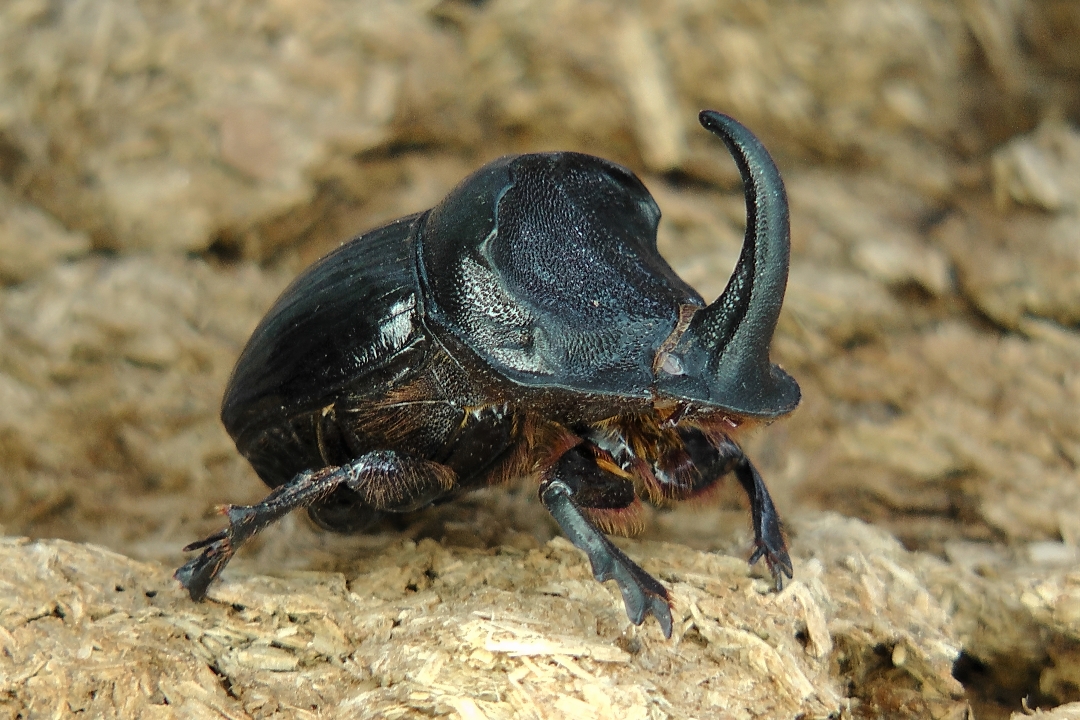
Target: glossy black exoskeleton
x=525 y=325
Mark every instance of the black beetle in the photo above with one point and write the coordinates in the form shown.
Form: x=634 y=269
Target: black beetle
x=525 y=325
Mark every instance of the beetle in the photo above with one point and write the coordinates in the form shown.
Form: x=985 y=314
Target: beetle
x=526 y=325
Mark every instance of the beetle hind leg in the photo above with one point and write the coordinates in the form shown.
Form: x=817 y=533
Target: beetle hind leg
x=382 y=480
x=246 y=520
x=571 y=481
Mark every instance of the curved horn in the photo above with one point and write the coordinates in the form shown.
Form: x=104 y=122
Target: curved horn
x=726 y=345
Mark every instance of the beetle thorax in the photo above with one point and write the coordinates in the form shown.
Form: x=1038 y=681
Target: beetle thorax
x=659 y=450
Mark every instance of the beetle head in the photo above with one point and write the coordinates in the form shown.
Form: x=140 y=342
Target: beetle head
x=720 y=353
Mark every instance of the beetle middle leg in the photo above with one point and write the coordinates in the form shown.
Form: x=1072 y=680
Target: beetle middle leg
x=383 y=480
x=716 y=458
x=575 y=479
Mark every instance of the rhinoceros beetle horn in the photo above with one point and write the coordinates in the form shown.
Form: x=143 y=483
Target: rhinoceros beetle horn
x=723 y=355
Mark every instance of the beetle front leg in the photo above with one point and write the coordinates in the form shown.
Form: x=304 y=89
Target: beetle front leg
x=384 y=480
x=569 y=479
x=714 y=460
x=768 y=537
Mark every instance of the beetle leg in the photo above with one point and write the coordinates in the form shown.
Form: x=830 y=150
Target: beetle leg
x=384 y=480
x=245 y=520
x=768 y=537
x=641 y=592
x=716 y=459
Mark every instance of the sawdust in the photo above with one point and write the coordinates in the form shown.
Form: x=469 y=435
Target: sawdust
x=419 y=629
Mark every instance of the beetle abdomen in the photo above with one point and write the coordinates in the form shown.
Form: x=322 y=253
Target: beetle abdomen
x=349 y=326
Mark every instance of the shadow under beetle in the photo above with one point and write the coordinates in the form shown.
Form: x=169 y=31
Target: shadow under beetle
x=525 y=325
